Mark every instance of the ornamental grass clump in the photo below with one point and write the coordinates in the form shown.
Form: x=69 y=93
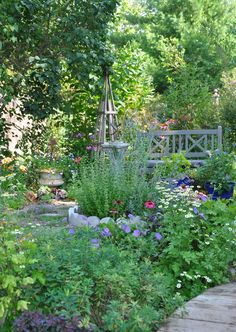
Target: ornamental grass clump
x=107 y=187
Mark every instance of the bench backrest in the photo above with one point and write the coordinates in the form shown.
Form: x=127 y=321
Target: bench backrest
x=195 y=143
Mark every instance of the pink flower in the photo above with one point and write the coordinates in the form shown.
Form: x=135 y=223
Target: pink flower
x=77 y=160
x=164 y=126
x=150 y=205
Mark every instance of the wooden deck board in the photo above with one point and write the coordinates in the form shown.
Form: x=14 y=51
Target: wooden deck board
x=214 y=310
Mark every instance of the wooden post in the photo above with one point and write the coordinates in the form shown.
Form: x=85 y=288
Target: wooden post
x=219 y=136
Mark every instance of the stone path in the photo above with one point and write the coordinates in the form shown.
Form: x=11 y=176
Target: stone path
x=46 y=214
x=212 y=311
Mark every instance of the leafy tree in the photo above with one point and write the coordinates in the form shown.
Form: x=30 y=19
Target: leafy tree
x=41 y=40
x=189 y=44
x=180 y=32
x=46 y=43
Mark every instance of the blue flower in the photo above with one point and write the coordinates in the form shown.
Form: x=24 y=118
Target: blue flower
x=201 y=215
x=130 y=215
x=79 y=135
x=106 y=232
x=195 y=210
x=153 y=218
x=71 y=231
x=95 y=243
x=126 y=229
x=158 y=236
x=136 y=233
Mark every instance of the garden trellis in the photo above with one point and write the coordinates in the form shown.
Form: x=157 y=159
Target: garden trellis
x=107 y=119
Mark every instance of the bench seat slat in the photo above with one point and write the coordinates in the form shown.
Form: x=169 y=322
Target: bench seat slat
x=184 y=132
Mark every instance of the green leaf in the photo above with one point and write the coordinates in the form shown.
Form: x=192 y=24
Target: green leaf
x=2 y=311
x=9 y=281
x=28 y=281
x=22 y=305
x=14 y=39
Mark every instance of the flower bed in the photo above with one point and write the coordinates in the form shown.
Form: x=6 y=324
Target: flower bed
x=132 y=272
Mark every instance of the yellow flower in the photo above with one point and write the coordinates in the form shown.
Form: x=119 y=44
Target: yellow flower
x=7 y=161
x=23 y=169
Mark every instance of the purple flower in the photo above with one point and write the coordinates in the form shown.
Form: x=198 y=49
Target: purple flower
x=130 y=215
x=91 y=148
x=126 y=229
x=79 y=135
x=106 y=232
x=71 y=231
x=201 y=215
x=158 y=236
x=136 y=233
x=153 y=218
x=95 y=243
x=202 y=196
x=195 y=210
x=91 y=136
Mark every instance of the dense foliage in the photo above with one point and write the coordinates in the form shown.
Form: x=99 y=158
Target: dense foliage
x=16 y=254
x=46 y=45
x=145 y=241
x=105 y=187
x=121 y=278
x=190 y=45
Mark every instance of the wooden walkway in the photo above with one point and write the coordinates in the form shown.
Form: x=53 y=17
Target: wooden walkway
x=212 y=311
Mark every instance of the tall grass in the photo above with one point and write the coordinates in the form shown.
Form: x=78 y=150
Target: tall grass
x=103 y=182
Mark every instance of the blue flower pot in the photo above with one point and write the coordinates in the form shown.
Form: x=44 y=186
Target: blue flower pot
x=185 y=181
x=215 y=194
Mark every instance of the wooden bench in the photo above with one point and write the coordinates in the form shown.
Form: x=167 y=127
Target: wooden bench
x=196 y=144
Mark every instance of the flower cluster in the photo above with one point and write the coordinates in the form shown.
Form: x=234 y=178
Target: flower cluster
x=182 y=199
x=6 y=161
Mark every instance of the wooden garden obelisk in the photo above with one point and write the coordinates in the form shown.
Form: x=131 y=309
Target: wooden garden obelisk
x=107 y=119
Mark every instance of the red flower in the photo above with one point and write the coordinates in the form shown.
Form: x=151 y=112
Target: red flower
x=150 y=205
x=118 y=202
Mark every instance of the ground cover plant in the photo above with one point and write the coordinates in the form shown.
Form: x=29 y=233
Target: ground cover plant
x=16 y=251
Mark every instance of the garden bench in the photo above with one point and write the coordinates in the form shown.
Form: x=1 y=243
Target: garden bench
x=196 y=144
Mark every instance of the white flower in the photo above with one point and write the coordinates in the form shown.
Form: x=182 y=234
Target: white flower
x=178 y=285
x=208 y=279
x=189 y=215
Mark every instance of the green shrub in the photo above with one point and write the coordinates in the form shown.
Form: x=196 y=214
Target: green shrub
x=15 y=257
x=109 y=286
x=12 y=183
x=105 y=186
x=218 y=170
x=173 y=166
x=199 y=245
